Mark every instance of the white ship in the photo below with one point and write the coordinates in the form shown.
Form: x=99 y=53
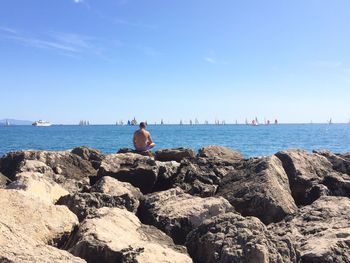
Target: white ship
x=41 y=123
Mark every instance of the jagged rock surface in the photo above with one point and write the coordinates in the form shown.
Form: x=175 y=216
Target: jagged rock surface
x=177 y=154
x=17 y=248
x=116 y=235
x=177 y=213
x=3 y=181
x=231 y=238
x=107 y=192
x=320 y=231
x=70 y=170
x=312 y=175
x=94 y=156
x=201 y=176
x=140 y=171
x=221 y=154
x=340 y=163
x=39 y=185
x=261 y=189
x=37 y=219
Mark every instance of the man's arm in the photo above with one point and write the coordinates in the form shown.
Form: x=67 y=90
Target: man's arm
x=149 y=138
x=134 y=139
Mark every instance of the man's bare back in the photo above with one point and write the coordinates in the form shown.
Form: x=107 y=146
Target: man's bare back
x=142 y=139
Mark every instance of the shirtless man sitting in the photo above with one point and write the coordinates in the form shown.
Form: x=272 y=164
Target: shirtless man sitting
x=142 y=139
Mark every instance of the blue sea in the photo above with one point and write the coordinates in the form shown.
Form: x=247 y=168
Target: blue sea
x=250 y=140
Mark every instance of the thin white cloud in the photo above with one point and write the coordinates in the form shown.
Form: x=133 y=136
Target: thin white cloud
x=39 y=43
x=76 y=40
x=8 y=30
x=60 y=41
x=210 y=60
x=78 y=1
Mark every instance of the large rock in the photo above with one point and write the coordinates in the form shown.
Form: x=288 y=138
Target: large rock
x=220 y=153
x=260 y=189
x=3 y=180
x=94 y=156
x=25 y=214
x=19 y=248
x=166 y=173
x=306 y=173
x=201 y=176
x=231 y=238
x=320 y=231
x=70 y=170
x=29 y=225
x=177 y=154
x=115 y=235
x=39 y=185
x=108 y=192
x=140 y=171
x=340 y=163
x=111 y=186
x=177 y=213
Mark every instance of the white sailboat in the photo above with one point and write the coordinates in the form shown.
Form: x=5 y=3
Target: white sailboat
x=7 y=123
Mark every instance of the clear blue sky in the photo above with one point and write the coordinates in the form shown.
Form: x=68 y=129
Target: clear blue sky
x=67 y=60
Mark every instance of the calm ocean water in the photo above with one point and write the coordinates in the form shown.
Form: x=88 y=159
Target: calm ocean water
x=250 y=140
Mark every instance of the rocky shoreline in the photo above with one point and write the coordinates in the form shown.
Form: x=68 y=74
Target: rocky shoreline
x=175 y=206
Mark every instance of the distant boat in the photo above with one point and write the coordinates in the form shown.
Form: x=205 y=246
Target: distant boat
x=196 y=121
x=181 y=122
x=161 y=122
x=206 y=122
x=7 y=123
x=330 y=121
x=246 y=121
x=191 y=122
x=84 y=123
x=133 y=122
x=41 y=123
x=276 y=121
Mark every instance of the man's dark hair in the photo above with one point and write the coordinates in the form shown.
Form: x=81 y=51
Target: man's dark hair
x=142 y=125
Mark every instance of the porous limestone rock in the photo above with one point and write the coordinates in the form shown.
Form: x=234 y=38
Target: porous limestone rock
x=220 y=153
x=19 y=248
x=116 y=235
x=24 y=213
x=107 y=192
x=140 y=171
x=320 y=231
x=307 y=173
x=166 y=173
x=177 y=213
x=111 y=186
x=94 y=156
x=340 y=163
x=231 y=238
x=70 y=170
x=39 y=185
x=201 y=176
x=176 y=154
x=260 y=189
x=3 y=181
